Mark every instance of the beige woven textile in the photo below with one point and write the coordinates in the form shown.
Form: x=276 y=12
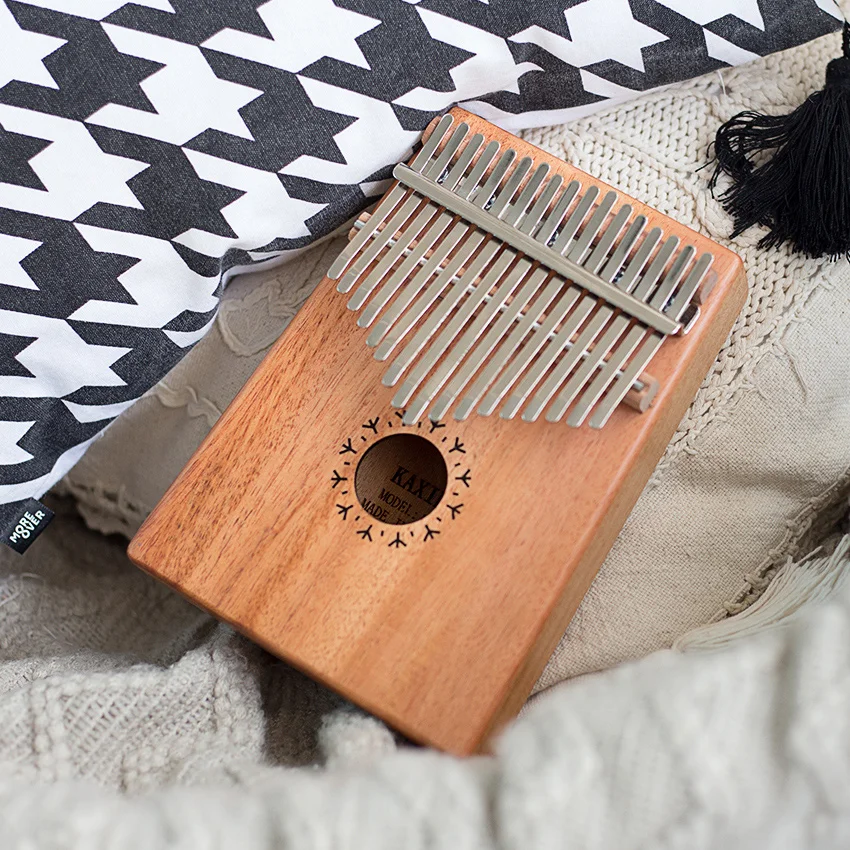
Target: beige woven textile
x=761 y=452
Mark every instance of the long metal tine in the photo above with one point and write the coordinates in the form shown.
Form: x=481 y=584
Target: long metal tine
x=497 y=333
x=634 y=267
x=650 y=277
x=592 y=228
x=671 y=279
x=461 y=347
x=623 y=249
x=435 y=168
x=483 y=196
x=427 y=150
x=444 y=340
x=611 y=233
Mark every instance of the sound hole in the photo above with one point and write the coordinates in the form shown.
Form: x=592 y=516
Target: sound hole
x=401 y=479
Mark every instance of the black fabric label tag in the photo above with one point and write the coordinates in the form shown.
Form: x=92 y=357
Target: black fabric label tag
x=30 y=522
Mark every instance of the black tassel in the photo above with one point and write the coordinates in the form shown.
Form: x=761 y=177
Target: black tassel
x=802 y=192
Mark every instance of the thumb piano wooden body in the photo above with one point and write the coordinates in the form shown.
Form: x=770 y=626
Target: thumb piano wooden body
x=413 y=492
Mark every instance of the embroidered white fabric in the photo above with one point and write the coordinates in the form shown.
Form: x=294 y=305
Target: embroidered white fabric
x=758 y=455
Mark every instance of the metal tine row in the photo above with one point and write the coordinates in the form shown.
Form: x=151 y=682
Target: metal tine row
x=432 y=169
x=433 y=265
x=395 y=326
x=585 y=380
x=651 y=341
x=389 y=202
x=411 y=232
x=485 y=322
x=559 y=335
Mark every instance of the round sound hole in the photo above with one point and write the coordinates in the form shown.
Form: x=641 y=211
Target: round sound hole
x=401 y=479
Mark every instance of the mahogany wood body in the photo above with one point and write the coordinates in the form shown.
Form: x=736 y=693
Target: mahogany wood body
x=443 y=638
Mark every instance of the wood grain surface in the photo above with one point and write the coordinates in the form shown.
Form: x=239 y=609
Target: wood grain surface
x=440 y=634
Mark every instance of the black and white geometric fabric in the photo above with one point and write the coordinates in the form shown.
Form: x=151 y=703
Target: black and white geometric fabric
x=150 y=150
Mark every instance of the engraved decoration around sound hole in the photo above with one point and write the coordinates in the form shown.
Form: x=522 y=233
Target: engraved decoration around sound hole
x=396 y=484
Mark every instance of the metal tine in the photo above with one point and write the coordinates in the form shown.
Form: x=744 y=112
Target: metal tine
x=686 y=292
x=573 y=317
x=647 y=351
x=485 y=347
x=519 y=207
x=530 y=222
x=434 y=321
x=499 y=208
x=606 y=376
x=656 y=267
x=595 y=357
x=467 y=186
x=572 y=224
x=389 y=203
x=460 y=349
x=592 y=228
x=408 y=235
x=611 y=233
x=518 y=364
x=481 y=322
x=671 y=279
x=635 y=266
x=370 y=252
x=482 y=197
x=583 y=374
x=624 y=247
x=587 y=335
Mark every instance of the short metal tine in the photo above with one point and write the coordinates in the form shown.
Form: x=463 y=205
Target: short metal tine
x=530 y=222
x=501 y=207
x=606 y=241
x=527 y=194
x=565 y=365
x=624 y=247
x=380 y=241
x=463 y=345
x=616 y=363
x=409 y=232
x=429 y=293
x=435 y=318
x=650 y=277
x=584 y=373
x=457 y=171
x=553 y=220
x=482 y=197
x=671 y=279
x=623 y=384
x=427 y=150
x=424 y=241
x=391 y=200
x=471 y=181
x=516 y=363
x=687 y=290
x=635 y=266
x=434 y=169
x=556 y=345
x=592 y=228
x=389 y=203
x=499 y=333
x=572 y=224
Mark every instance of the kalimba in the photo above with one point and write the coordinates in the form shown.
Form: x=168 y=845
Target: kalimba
x=413 y=492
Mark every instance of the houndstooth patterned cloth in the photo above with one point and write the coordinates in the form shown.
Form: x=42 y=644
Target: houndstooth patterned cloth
x=149 y=150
